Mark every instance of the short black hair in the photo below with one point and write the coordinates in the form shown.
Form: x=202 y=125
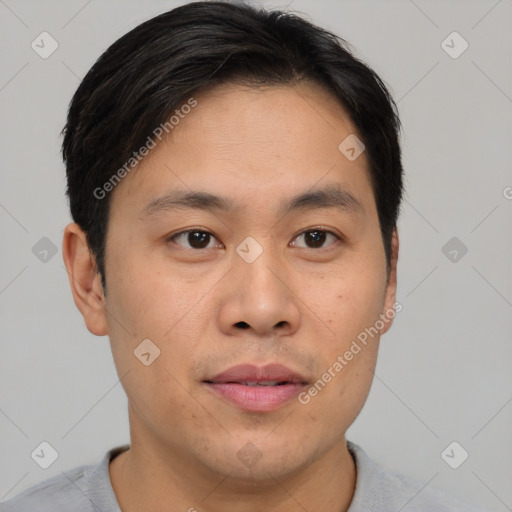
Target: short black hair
x=141 y=79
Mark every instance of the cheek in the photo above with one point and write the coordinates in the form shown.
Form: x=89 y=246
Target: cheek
x=158 y=394
x=150 y=299
x=143 y=306
x=347 y=303
x=145 y=301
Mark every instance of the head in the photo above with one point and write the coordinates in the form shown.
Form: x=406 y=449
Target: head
x=204 y=126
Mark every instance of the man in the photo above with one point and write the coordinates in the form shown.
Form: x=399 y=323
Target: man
x=235 y=180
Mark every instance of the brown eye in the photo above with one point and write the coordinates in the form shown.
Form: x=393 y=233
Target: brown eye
x=315 y=239
x=194 y=239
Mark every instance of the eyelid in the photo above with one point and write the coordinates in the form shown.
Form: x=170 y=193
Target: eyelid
x=319 y=227
x=329 y=231
x=172 y=236
x=339 y=237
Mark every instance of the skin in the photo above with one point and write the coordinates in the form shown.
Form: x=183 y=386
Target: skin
x=303 y=306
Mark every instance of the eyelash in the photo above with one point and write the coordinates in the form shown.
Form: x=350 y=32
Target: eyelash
x=172 y=238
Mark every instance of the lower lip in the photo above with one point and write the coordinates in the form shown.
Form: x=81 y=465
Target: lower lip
x=257 y=398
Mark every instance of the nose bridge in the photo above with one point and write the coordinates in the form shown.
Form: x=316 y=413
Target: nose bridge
x=260 y=281
x=264 y=300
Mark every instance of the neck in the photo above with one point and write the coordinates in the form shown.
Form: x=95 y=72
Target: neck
x=151 y=477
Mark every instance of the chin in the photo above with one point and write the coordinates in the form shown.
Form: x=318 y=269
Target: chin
x=254 y=460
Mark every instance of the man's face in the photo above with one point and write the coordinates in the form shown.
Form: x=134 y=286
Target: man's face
x=208 y=305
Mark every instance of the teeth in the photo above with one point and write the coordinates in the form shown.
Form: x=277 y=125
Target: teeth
x=262 y=383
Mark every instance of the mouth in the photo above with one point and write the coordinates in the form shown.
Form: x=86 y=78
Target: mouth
x=253 y=383
x=257 y=389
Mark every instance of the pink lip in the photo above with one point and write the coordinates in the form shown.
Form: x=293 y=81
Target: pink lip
x=230 y=384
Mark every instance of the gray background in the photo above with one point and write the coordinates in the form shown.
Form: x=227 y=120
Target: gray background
x=444 y=369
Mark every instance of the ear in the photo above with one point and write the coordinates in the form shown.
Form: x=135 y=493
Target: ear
x=84 y=279
x=390 y=297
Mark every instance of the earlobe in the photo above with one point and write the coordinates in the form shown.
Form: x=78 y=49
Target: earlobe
x=390 y=297
x=84 y=279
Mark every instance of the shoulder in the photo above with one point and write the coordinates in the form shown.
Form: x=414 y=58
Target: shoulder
x=82 y=489
x=381 y=489
x=62 y=492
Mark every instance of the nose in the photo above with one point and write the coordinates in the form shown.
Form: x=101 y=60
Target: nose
x=259 y=297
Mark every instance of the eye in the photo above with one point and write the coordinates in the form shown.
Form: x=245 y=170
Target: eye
x=194 y=239
x=315 y=239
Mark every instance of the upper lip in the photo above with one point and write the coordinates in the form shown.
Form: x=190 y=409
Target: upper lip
x=251 y=373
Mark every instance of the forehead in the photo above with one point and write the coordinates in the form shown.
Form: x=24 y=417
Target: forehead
x=277 y=116
x=252 y=142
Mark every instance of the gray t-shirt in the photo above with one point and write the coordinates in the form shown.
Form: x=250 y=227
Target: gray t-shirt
x=88 y=489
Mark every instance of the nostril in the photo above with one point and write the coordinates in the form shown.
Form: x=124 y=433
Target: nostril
x=242 y=325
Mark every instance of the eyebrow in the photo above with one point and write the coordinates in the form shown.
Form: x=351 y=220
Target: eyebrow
x=331 y=196
x=328 y=197
x=179 y=199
